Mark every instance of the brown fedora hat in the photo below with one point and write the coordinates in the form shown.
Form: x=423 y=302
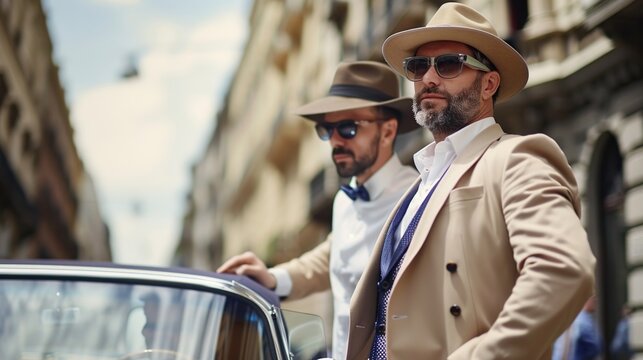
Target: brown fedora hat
x=460 y=23
x=361 y=84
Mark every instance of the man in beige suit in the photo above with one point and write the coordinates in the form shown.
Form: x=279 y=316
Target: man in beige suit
x=485 y=256
x=360 y=118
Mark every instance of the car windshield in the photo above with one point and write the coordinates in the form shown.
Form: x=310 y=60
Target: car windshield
x=53 y=319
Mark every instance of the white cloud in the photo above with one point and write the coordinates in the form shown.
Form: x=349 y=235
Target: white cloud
x=143 y=234
x=117 y=2
x=139 y=136
x=222 y=31
x=162 y=34
x=123 y=130
x=127 y=132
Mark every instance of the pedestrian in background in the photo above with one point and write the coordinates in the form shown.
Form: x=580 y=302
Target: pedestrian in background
x=620 y=345
x=582 y=340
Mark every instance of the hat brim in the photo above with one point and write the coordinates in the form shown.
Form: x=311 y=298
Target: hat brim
x=316 y=110
x=509 y=63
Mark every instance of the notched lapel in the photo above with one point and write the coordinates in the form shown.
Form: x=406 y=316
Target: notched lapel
x=458 y=168
x=365 y=292
x=374 y=261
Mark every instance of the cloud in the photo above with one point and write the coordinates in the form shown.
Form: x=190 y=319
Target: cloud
x=139 y=136
x=143 y=238
x=224 y=31
x=163 y=34
x=117 y=2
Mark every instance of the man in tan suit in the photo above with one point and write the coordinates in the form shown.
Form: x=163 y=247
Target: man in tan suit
x=485 y=257
x=360 y=118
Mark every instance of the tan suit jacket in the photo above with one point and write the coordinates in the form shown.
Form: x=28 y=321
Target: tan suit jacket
x=506 y=214
x=310 y=272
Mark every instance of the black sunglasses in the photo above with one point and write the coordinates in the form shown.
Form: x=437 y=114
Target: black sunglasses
x=347 y=129
x=447 y=66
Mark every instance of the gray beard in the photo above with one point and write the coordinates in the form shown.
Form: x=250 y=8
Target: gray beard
x=456 y=115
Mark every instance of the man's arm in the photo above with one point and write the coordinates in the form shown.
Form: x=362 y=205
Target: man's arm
x=550 y=248
x=308 y=273
x=249 y=264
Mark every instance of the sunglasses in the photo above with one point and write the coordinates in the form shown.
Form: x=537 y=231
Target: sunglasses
x=447 y=66
x=347 y=129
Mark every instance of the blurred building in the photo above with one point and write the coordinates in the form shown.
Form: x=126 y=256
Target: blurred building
x=48 y=207
x=586 y=91
x=200 y=242
x=266 y=182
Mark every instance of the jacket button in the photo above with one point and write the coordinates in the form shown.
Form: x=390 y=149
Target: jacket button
x=452 y=267
x=384 y=285
x=455 y=310
x=380 y=329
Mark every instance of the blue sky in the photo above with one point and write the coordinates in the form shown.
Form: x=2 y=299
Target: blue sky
x=139 y=136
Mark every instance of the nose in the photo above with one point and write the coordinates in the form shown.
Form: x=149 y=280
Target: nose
x=431 y=77
x=336 y=139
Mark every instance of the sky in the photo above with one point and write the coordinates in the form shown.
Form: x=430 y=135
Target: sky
x=139 y=136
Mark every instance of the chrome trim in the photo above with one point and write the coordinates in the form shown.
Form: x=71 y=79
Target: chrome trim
x=284 y=334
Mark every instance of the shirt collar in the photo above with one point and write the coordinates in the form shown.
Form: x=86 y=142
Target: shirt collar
x=455 y=142
x=377 y=183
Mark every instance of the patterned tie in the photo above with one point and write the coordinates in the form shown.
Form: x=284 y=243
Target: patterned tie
x=354 y=193
x=390 y=263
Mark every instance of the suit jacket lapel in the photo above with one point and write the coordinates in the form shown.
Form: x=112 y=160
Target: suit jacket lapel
x=365 y=295
x=460 y=165
x=373 y=267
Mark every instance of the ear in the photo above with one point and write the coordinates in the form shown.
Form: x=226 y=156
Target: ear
x=490 y=84
x=389 y=130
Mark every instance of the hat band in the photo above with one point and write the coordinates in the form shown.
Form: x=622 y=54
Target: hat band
x=358 y=91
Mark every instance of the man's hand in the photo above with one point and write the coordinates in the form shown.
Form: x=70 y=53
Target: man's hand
x=249 y=264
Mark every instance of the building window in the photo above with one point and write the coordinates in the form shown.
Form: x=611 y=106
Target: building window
x=27 y=143
x=14 y=117
x=4 y=4
x=17 y=40
x=4 y=89
x=606 y=229
x=518 y=15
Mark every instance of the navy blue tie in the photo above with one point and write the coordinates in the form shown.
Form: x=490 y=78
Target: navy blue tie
x=354 y=193
x=390 y=263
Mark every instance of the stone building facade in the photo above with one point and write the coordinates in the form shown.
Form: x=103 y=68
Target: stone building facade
x=268 y=181
x=46 y=204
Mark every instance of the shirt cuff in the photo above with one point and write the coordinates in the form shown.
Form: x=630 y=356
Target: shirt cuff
x=284 y=282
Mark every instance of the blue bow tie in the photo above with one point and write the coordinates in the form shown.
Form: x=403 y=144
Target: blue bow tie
x=354 y=193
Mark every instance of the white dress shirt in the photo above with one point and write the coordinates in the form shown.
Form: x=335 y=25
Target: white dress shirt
x=355 y=228
x=432 y=162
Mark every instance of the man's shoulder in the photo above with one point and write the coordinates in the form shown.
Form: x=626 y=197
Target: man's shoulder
x=512 y=150
x=406 y=174
x=394 y=183
x=513 y=142
x=397 y=174
x=509 y=139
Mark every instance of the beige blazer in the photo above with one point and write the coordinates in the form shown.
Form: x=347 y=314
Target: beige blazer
x=501 y=240
x=309 y=272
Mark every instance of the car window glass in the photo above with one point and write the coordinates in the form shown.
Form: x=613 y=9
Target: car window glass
x=53 y=319
x=305 y=335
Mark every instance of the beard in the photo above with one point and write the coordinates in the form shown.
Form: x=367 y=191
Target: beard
x=358 y=164
x=456 y=115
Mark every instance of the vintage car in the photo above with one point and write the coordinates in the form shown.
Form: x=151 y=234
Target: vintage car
x=72 y=311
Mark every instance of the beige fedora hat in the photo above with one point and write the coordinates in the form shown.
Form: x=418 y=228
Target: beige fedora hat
x=460 y=23
x=361 y=84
